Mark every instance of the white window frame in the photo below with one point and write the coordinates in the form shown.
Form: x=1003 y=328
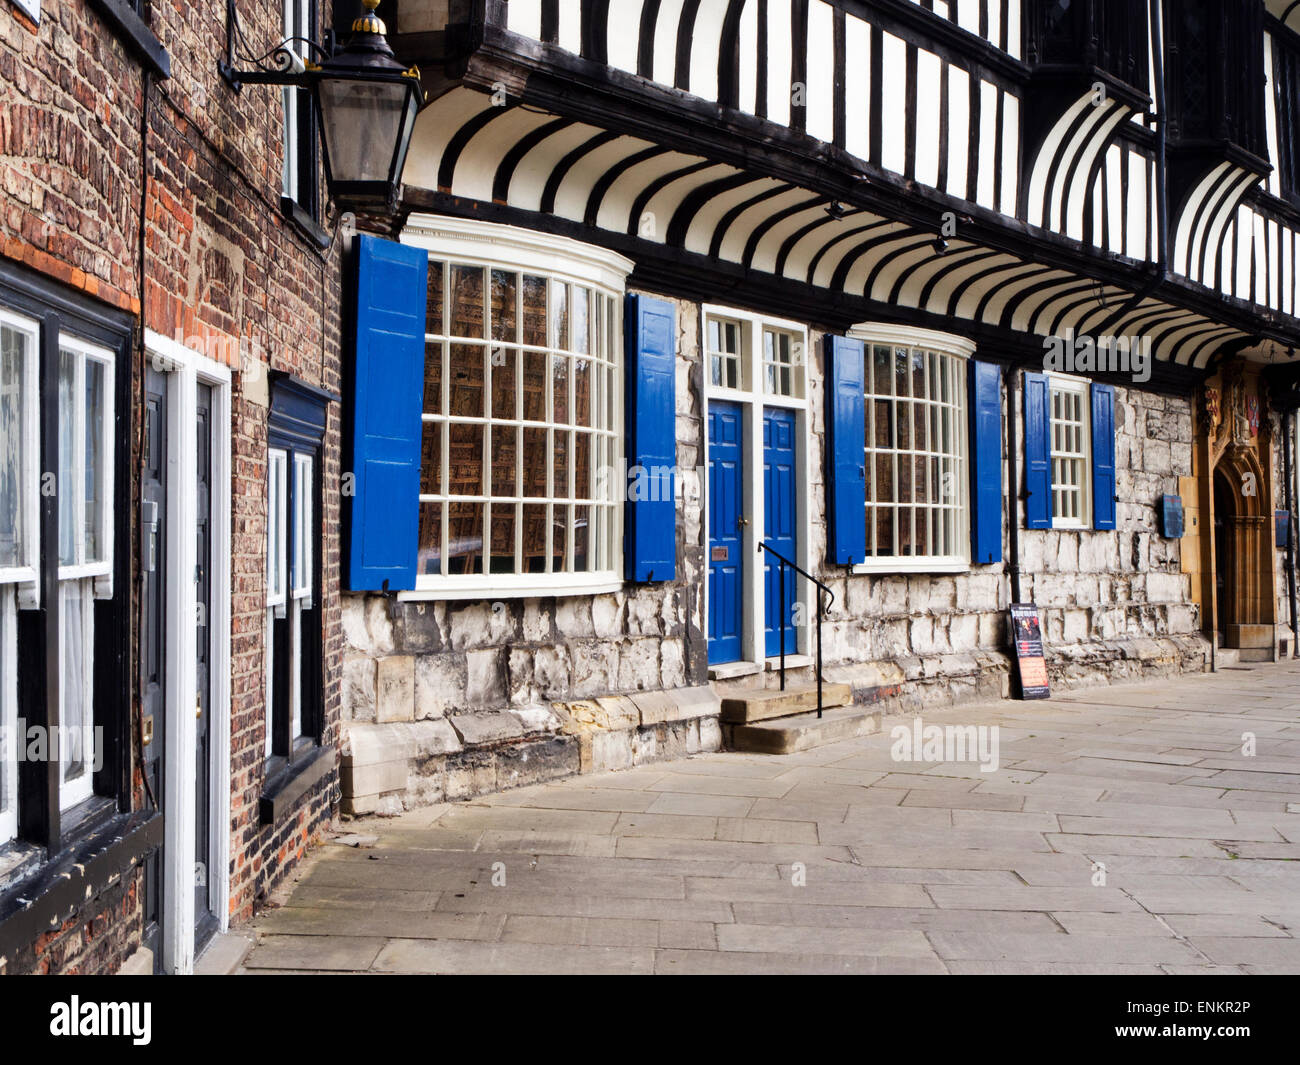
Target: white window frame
x=1064 y=384
x=961 y=350
x=304 y=506
x=470 y=242
x=25 y=573
x=30 y=8
x=91 y=580
x=297 y=16
x=9 y=738
x=81 y=787
x=101 y=569
x=277 y=570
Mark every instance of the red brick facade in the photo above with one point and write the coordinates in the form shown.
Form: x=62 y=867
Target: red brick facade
x=221 y=264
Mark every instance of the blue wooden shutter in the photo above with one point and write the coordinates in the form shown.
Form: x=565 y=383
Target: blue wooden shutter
x=382 y=515
x=1038 y=452
x=650 y=536
x=846 y=479
x=985 y=463
x=1103 y=457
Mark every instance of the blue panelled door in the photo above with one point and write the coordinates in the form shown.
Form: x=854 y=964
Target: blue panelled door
x=726 y=550
x=779 y=521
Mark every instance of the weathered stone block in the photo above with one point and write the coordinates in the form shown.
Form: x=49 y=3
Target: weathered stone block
x=358 y=690
x=439 y=685
x=681 y=705
x=488 y=727
x=484 y=684
x=611 y=750
x=396 y=689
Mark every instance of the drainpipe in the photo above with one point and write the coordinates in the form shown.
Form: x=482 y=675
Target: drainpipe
x=1288 y=430
x=1013 y=491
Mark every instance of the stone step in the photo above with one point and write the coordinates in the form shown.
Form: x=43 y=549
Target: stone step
x=802 y=732
x=1254 y=654
x=772 y=702
x=1226 y=657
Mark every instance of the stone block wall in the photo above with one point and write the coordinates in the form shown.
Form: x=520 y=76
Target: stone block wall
x=443 y=700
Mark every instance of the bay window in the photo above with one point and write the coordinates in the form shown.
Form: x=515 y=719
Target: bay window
x=916 y=449
x=522 y=414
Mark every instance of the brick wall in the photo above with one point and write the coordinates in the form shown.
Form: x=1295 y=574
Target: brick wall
x=223 y=272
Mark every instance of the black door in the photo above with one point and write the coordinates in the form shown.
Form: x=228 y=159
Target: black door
x=205 y=922
x=153 y=649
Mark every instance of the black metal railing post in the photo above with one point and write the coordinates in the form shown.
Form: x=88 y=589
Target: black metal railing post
x=822 y=590
x=781 y=600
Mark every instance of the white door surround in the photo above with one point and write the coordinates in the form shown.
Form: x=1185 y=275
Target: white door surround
x=186 y=369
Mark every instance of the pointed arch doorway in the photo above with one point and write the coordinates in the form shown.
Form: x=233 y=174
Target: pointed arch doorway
x=1242 y=552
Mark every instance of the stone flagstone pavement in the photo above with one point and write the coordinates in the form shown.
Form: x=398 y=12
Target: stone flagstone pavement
x=690 y=866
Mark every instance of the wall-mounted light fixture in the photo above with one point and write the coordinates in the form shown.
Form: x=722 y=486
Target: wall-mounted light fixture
x=365 y=99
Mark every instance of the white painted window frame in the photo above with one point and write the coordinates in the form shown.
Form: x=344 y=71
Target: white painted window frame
x=10 y=741
x=277 y=570
x=1061 y=384
x=297 y=14
x=559 y=259
x=30 y=8
x=304 y=531
x=80 y=788
x=752 y=399
x=186 y=369
x=100 y=569
x=963 y=350
x=24 y=575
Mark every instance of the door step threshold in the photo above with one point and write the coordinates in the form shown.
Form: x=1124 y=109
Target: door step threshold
x=791 y=662
x=224 y=954
x=767 y=703
x=734 y=670
x=802 y=732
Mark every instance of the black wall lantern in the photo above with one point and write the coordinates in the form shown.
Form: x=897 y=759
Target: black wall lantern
x=365 y=99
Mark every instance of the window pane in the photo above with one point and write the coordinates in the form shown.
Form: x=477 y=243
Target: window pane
x=464 y=538
x=505 y=382
x=581 y=538
x=429 y=558
x=466 y=381
x=534 y=538
x=431 y=460
x=560 y=315
x=534 y=386
x=95 y=481
x=505 y=455
x=67 y=485
x=433 y=359
x=560 y=389
x=534 y=462
x=433 y=322
x=465 y=460
x=534 y=310
x=582 y=466
x=75 y=715
x=560 y=484
x=503 y=538
x=467 y=301
x=582 y=404
x=505 y=317
x=559 y=537
x=13 y=356
x=581 y=320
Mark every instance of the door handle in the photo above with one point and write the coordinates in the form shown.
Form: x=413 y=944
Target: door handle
x=198 y=706
x=741 y=522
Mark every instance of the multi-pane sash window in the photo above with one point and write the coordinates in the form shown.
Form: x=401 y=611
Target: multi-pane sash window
x=1071 y=453
x=782 y=364
x=298 y=177
x=522 y=416
x=916 y=444
x=726 y=363
x=85 y=492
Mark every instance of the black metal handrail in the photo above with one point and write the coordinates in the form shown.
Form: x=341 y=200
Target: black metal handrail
x=822 y=606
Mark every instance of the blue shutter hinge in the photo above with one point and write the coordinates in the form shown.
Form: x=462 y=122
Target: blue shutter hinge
x=392 y=600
